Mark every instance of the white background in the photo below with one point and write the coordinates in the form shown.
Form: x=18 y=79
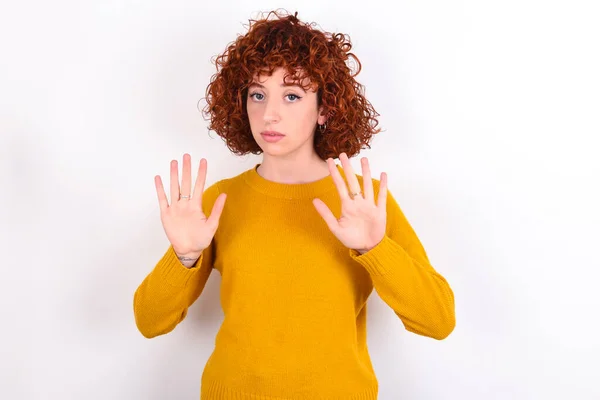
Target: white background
x=491 y=117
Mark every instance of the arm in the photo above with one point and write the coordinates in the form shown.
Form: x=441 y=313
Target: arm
x=404 y=278
x=164 y=296
x=161 y=301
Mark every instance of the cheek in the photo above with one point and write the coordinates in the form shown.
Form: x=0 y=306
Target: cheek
x=253 y=113
x=308 y=117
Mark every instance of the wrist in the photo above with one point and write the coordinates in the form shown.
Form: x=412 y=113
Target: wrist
x=188 y=260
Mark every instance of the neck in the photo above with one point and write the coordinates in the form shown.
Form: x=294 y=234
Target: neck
x=292 y=171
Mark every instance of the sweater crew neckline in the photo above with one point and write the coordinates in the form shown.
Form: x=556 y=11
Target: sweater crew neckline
x=308 y=190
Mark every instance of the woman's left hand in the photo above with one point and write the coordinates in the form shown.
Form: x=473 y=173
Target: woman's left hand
x=362 y=223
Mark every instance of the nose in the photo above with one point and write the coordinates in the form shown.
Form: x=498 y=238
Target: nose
x=271 y=114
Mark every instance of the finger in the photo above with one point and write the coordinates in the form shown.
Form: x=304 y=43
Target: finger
x=367 y=181
x=326 y=213
x=174 y=182
x=163 y=203
x=217 y=209
x=200 y=182
x=338 y=180
x=351 y=178
x=382 y=197
x=186 y=175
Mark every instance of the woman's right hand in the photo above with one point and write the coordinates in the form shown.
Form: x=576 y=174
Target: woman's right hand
x=184 y=222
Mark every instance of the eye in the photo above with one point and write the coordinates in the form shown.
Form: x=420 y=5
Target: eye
x=292 y=97
x=254 y=95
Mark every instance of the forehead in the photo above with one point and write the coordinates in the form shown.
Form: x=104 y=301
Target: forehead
x=283 y=77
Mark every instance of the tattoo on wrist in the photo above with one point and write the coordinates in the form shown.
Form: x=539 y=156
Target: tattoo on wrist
x=181 y=258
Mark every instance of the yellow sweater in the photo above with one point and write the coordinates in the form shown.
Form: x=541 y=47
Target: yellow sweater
x=293 y=297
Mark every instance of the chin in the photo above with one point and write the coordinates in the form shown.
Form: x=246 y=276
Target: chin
x=276 y=149
x=274 y=152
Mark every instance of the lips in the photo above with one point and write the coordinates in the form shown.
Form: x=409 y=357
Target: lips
x=272 y=136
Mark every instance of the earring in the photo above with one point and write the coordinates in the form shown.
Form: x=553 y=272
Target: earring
x=323 y=127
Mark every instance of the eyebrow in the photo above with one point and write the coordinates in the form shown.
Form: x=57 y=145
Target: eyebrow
x=282 y=85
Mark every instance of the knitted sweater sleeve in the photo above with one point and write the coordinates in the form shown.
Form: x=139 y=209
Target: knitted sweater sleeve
x=162 y=299
x=404 y=278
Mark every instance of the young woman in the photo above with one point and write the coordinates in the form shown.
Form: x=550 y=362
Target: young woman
x=300 y=242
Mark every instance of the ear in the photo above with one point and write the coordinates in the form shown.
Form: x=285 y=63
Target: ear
x=322 y=117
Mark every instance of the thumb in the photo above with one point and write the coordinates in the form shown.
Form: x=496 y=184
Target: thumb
x=326 y=214
x=217 y=210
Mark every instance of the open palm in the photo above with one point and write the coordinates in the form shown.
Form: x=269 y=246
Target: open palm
x=361 y=225
x=188 y=229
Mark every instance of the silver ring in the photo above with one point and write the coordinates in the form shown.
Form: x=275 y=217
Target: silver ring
x=353 y=195
x=185 y=197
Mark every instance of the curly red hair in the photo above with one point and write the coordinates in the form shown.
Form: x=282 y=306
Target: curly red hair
x=306 y=53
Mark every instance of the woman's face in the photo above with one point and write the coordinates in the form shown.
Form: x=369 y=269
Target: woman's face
x=286 y=111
